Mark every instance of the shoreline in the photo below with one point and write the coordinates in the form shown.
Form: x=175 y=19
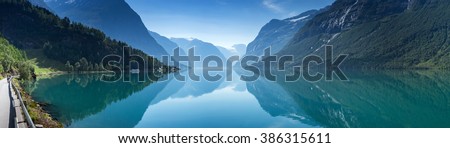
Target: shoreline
x=43 y=117
x=37 y=113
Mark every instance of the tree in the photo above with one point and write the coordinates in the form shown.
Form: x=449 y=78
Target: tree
x=47 y=47
x=8 y=63
x=84 y=64
x=90 y=67
x=65 y=22
x=60 y=39
x=26 y=69
x=77 y=66
x=68 y=66
x=1 y=68
x=96 y=68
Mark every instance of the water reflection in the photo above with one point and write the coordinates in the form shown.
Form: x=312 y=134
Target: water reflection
x=277 y=102
x=369 y=99
x=71 y=98
x=377 y=99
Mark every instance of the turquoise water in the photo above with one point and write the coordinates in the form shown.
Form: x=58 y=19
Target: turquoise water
x=369 y=99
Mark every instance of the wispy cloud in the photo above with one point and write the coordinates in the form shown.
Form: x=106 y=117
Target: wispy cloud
x=273 y=6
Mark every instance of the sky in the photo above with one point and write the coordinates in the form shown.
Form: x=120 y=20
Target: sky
x=221 y=22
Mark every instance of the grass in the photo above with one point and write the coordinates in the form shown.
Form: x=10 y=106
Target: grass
x=45 y=64
x=37 y=113
x=43 y=71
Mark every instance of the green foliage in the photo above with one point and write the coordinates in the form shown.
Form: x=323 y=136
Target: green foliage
x=9 y=56
x=413 y=38
x=26 y=70
x=96 y=67
x=68 y=66
x=30 y=27
x=84 y=64
x=77 y=66
x=13 y=61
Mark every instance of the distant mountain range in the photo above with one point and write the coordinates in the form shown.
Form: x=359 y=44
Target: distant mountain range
x=166 y=43
x=379 y=34
x=114 y=17
x=237 y=50
x=202 y=48
x=277 y=33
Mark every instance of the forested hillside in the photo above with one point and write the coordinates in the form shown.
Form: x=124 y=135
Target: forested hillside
x=33 y=28
x=13 y=61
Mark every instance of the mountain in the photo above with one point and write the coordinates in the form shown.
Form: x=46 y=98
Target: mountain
x=240 y=49
x=237 y=50
x=166 y=43
x=40 y=3
x=225 y=51
x=277 y=33
x=379 y=34
x=46 y=37
x=202 y=49
x=114 y=17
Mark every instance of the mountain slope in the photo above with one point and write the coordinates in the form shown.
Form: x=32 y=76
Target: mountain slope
x=240 y=49
x=202 y=49
x=114 y=17
x=40 y=3
x=14 y=61
x=379 y=34
x=33 y=28
x=277 y=33
x=237 y=50
x=226 y=52
x=166 y=43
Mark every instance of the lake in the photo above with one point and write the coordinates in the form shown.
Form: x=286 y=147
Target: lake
x=369 y=99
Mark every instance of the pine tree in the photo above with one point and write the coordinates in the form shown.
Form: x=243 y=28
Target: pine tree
x=68 y=66
x=77 y=66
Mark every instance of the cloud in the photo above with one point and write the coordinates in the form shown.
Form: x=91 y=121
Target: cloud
x=273 y=6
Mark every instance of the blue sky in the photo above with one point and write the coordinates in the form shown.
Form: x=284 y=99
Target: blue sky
x=221 y=22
